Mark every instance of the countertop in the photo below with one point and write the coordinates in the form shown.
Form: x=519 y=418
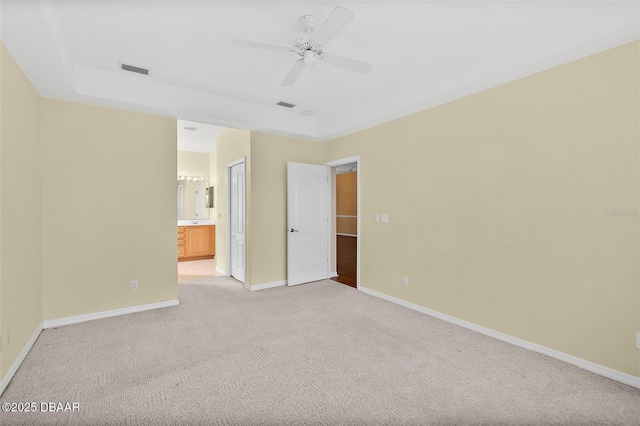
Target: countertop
x=196 y=222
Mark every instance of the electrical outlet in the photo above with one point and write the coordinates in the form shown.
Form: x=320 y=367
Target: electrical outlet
x=134 y=284
x=405 y=281
x=638 y=340
x=385 y=217
x=377 y=217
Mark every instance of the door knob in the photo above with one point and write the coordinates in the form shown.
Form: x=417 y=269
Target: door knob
x=293 y=230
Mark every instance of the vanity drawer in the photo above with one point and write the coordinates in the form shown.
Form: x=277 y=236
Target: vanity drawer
x=196 y=242
x=181 y=244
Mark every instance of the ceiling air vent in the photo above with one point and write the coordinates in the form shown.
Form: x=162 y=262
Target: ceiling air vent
x=131 y=68
x=285 y=104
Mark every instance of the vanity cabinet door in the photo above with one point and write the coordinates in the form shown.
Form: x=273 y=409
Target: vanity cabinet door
x=198 y=241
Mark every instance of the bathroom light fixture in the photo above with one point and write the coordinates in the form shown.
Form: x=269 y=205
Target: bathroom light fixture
x=191 y=178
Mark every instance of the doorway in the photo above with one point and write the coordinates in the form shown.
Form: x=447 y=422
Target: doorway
x=196 y=224
x=345 y=226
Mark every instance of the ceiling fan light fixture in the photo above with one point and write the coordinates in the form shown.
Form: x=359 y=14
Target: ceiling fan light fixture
x=309 y=57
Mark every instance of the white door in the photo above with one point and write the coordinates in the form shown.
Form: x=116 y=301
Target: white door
x=237 y=222
x=307 y=223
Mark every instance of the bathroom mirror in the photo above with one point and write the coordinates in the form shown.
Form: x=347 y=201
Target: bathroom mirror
x=193 y=200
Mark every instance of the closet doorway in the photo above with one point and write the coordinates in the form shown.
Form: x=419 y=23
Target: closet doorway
x=345 y=224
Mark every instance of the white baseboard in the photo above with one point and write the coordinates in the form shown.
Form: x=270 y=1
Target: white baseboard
x=333 y=274
x=21 y=356
x=222 y=271
x=106 y=314
x=272 y=284
x=601 y=370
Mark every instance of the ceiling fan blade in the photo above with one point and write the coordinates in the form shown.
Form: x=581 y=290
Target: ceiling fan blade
x=348 y=64
x=293 y=73
x=259 y=45
x=338 y=19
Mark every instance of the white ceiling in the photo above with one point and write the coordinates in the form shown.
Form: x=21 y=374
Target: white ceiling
x=423 y=54
x=198 y=137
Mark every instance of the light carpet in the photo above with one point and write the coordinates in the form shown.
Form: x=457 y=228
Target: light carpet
x=320 y=353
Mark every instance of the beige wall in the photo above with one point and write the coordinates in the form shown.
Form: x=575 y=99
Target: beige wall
x=496 y=205
x=231 y=145
x=268 y=243
x=20 y=211
x=3 y=343
x=118 y=222
x=193 y=164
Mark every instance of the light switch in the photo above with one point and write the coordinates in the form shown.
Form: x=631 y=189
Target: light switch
x=385 y=217
x=377 y=217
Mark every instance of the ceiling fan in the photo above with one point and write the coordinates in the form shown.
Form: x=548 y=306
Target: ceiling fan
x=309 y=46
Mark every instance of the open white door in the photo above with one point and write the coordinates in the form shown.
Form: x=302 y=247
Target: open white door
x=307 y=223
x=237 y=222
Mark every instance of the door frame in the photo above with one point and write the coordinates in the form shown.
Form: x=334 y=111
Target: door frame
x=331 y=207
x=229 y=251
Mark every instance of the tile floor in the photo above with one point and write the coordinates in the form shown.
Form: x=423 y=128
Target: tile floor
x=193 y=270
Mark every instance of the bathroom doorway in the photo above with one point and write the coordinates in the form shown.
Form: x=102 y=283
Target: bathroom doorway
x=196 y=204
